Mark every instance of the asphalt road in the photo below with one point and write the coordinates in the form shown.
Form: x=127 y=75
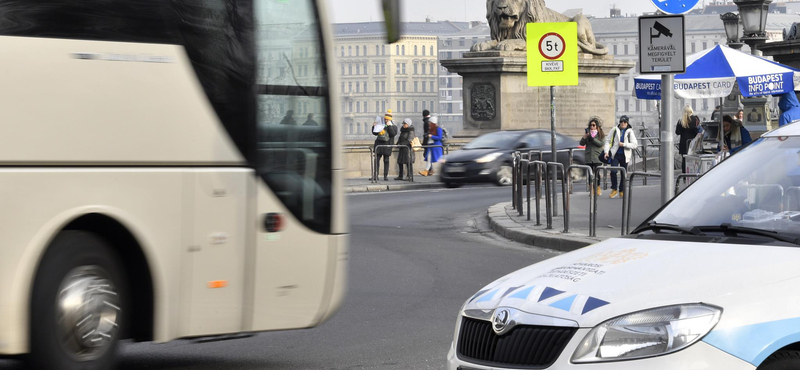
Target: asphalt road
x=416 y=257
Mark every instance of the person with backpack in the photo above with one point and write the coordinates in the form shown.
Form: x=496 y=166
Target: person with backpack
x=687 y=128
x=406 y=156
x=436 y=135
x=619 y=150
x=384 y=137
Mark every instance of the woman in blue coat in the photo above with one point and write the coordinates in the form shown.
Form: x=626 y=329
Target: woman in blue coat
x=436 y=139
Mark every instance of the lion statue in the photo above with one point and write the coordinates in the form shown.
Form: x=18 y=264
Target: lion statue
x=507 y=20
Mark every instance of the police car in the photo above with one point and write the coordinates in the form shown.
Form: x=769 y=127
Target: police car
x=710 y=281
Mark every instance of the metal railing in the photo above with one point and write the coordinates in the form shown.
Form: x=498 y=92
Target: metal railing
x=684 y=176
x=556 y=166
x=373 y=157
x=629 y=195
x=592 y=195
x=593 y=225
x=540 y=167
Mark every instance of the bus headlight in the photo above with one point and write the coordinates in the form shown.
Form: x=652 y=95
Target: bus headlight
x=647 y=333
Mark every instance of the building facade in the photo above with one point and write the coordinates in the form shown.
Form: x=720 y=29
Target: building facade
x=375 y=76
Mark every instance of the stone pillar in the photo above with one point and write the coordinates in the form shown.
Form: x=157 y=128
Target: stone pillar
x=497 y=96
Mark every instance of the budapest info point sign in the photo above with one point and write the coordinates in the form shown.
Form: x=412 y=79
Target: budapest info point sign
x=675 y=6
x=552 y=54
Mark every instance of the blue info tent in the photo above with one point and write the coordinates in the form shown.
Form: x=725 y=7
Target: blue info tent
x=714 y=72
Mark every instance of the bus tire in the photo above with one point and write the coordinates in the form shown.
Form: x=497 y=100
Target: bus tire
x=78 y=304
x=782 y=360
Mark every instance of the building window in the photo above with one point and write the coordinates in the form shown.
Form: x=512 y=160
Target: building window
x=383 y=106
x=424 y=87
x=415 y=49
x=615 y=49
x=365 y=54
x=416 y=84
x=358 y=51
x=433 y=69
x=377 y=50
x=423 y=68
x=694 y=48
x=415 y=68
x=342 y=87
x=365 y=86
x=424 y=105
x=342 y=69
x=377 y=106
x=403 y=68
x=432 y=54
x=342 y=50
x=383 y=49
x=350 y=108
x=398 y=86
x=377 y=68
x=416 y=106
x=403 y=48
x=358 y=87
x=383 y=68
x=461 y=42
x=349 y=87
x=432 y=88
x=404 y=86
x=358 y=69
x=358 y=107
x=377 y=86
x=626 y=49
x=397 y=50
x=398 y=69
x=350 y=51
x=404 y=108
x=350 y=69
x=383 y=86
x=705 y=45
x=398 y=106
x=625 y=82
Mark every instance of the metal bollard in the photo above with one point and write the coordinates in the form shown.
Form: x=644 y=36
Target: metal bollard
x=538 y=190
x=513 y=180
x=605 y=170
x=629 y=194
x=560 y=166
x=684 y=176
x=522 y=164
x=592 y=195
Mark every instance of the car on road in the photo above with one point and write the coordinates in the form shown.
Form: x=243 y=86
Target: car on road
x=488 y=157
x=710 y=281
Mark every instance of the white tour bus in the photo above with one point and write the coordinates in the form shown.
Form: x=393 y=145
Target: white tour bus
x=168 y=169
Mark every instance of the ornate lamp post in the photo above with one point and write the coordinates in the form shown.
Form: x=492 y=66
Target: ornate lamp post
x=754 y=19
x=733 y=29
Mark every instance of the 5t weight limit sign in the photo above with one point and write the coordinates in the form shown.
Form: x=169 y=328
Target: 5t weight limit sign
x=551 y=46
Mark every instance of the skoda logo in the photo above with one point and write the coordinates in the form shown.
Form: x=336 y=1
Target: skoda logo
x=500 y=321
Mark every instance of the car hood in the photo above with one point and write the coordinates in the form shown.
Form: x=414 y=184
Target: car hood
x=469 y=155
x=619 y=276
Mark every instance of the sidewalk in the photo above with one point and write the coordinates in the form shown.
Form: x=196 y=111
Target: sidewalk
x=506 y=221
x=363 y=185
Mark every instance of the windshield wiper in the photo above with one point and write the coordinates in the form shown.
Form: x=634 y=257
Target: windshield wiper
x=657 y=227
x=727 y=228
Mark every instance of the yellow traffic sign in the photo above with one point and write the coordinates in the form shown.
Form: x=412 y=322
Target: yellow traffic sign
x=552 y=54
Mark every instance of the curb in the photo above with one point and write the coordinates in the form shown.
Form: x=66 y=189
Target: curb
x=505 y=226
x=381 y=188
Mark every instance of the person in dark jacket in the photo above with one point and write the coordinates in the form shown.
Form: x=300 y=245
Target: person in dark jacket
x=790 y=108
x=384 y=137
x=289 y=119
x=594 y=140
x=310 y=121
x=406 y=156
x=687 y=129
x=426 y=116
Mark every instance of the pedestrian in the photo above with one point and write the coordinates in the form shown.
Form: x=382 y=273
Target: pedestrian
x=715 y=113
x=310 y=121
x=687 y=129
x=436 y=135
x=426 y=116
x=740 y=115
x=622 y=137
x=406 y=156
x=735 y=135
x=289 y=119
x=790 y=109
x=384 y=137
x=594 y=140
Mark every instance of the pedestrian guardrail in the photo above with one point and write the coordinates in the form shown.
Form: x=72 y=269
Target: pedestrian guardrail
x=540 y=167
x=789 y=191
x=592 y=195
x=629 y=195
x=557 y=166
x=624 y=173
x=684 y=176
x=371 y=157
x=523 y=163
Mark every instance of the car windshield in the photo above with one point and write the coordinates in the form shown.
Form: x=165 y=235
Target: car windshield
x=757 y=188
x=495 y=140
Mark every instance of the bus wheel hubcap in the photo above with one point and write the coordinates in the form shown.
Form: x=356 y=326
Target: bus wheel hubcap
x=87 y=312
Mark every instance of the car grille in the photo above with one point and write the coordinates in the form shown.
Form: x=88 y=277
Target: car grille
x=526 y=346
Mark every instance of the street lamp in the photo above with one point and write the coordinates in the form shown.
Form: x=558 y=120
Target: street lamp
x=733 y=29
x=754 y=19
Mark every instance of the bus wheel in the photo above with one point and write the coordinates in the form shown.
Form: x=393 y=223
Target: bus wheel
x=78 y=304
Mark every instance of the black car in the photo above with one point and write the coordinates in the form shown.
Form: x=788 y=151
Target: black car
x=488 y=158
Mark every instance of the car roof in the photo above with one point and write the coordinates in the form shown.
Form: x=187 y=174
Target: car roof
x=792 y=129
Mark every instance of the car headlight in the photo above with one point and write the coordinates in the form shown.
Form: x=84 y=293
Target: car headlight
x=489 y=158
x=647 y=333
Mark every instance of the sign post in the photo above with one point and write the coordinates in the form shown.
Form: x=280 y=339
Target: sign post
x=553 y=61
x=662 y=42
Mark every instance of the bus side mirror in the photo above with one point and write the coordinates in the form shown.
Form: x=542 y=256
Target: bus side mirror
x=391 y=14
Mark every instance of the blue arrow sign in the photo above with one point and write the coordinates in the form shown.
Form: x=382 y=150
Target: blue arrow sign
x=675 y=6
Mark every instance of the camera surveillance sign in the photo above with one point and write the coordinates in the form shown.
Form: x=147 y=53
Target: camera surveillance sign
x=661 y=44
